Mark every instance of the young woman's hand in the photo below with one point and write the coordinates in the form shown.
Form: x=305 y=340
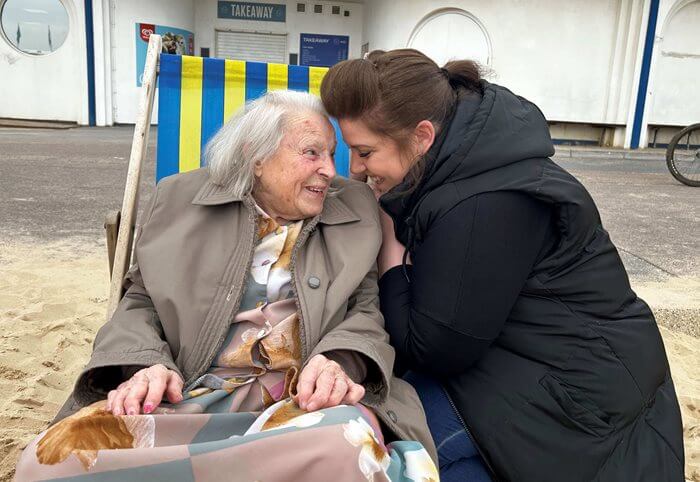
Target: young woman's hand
x=145 y=389
x=359 y=177
x=363 y=178
x=324 y=384
x=391 y=251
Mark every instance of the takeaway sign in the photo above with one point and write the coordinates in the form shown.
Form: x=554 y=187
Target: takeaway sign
x=265 y=12
x=323 y=50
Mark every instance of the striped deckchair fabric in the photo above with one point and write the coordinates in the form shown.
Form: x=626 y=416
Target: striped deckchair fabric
x=197 y=95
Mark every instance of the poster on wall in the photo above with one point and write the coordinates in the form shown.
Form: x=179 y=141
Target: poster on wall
x=175 y=41
x=320 y=50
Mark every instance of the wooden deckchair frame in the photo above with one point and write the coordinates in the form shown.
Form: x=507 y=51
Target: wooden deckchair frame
x=120 y=225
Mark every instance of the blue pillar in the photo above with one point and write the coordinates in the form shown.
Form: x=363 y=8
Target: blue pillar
x=90 y=48
x=644 y=74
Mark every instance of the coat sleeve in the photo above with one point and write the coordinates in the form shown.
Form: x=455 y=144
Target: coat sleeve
x=361 y=333
x=132 y=339
x=466 y=276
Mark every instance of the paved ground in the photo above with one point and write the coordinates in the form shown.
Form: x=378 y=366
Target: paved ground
x=61 y=183
x=652 y=218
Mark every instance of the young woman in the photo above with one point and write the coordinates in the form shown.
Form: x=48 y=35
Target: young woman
x=505 y=299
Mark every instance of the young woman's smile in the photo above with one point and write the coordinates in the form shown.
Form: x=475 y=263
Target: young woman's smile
x=378 y=158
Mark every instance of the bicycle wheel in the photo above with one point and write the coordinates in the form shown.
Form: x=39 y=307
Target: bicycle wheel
x=683 y=156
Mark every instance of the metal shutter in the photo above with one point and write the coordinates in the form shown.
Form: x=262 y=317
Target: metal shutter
x=257 y=47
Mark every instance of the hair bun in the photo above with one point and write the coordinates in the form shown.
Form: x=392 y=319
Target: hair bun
x=463 y=74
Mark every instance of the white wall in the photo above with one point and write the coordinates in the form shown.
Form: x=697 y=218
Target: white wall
x=102 y=25
x=568 y=57
x=675 y=91
x=579 y=61
x=206 y=22
x=47 y=87
x=671 y=96
x=125 y=14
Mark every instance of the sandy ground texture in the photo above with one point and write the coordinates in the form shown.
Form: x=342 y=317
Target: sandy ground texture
x=53 y=300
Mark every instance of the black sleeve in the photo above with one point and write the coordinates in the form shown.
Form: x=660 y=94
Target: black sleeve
x=466 y=275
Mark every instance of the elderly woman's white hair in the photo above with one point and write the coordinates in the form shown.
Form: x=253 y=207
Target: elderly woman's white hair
x=253 y=135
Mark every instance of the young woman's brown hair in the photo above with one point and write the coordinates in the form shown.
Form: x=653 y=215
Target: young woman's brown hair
x=393 y=91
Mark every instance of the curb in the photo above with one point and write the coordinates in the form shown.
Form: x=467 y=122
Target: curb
x=32 y=124
x=656 y=155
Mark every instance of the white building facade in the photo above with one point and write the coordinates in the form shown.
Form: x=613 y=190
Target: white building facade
x=607 y=72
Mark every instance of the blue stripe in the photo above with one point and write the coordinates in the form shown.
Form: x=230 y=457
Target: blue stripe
x=90 y=44
x=168 y=154
x=644 y=74
x=255 y=80
x=298 y=78
x=212 y=98
x=342 y=153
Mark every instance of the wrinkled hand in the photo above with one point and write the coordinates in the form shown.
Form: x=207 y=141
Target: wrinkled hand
x=324 y=384
x=148 y=386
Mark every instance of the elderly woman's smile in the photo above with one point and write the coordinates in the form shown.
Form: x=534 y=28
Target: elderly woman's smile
x=292 y=184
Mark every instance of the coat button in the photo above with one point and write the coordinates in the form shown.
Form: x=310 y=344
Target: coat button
x=314 y=282
x=392 y=416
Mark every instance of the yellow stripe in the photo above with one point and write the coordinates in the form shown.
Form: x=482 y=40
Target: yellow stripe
x=316 y=75
x=190 y=113
x=277 y=77
x=234 y=87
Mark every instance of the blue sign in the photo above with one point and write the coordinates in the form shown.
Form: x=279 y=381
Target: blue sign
x=265 y=12
x=320 y=50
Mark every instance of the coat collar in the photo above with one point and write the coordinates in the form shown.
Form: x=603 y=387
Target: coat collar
x=335 y=211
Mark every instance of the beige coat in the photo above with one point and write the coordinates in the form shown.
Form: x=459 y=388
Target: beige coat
x=194 y=252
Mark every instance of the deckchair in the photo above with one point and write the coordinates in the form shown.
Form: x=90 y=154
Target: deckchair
x=196 y=96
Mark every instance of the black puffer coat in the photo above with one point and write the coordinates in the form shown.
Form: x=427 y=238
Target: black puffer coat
x=573 y=384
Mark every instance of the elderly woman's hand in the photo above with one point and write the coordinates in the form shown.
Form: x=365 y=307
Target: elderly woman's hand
x=148 y=386
x=324 y=384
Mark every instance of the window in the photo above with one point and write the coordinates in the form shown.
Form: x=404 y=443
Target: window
x=301 y=7
x=346 y=13
x=318 y=8
x=36 y=27
x=336 y=10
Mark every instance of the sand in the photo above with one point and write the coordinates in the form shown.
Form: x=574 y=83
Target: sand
x=53 y=300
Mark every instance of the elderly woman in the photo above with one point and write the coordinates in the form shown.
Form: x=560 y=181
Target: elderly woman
x=255 y=290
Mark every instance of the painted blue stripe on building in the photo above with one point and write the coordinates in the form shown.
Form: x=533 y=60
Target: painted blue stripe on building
x=90 y=48
x=644 y=74
x=255 y=80
x=168 y=153
x=212 y=99
x=298 y=78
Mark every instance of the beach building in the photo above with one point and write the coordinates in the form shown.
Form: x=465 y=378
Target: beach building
x=604 y=72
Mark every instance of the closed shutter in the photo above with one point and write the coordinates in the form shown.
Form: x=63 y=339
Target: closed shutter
x=256 y=47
